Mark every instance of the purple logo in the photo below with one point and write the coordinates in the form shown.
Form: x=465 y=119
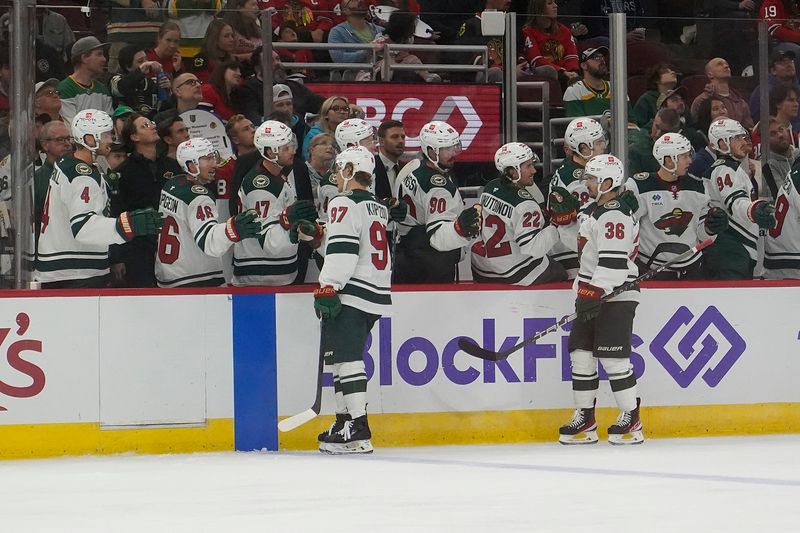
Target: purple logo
x=711 y=317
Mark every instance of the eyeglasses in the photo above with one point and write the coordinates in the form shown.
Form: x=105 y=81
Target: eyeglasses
x=59 y=139
x=49 y=92
x=340 y=109
x=191 y=82
x=148 y=124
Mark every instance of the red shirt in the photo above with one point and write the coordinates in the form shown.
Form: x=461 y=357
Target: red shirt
x=166 y=64
x=782 y=26
x=211 y=96
x=314 y=14
x=555 y=49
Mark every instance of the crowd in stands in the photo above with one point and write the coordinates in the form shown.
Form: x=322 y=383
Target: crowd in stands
x=159 y=62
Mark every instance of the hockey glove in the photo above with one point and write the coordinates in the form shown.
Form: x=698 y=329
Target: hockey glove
x=716 y=221
x=587 y=306
x=629 y=200
x=397 y=209
x=300 y=210
x=762 y=213
x=243 y=226
x=468 y=223
x=132 y=224
x=563 y=207
x=326 y=303
x=306 y=231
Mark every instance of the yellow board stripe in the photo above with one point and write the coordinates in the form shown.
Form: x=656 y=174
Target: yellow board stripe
x=497 y=427
x=22 y=441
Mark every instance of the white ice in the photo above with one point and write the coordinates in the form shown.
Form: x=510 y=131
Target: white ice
x=737 y=484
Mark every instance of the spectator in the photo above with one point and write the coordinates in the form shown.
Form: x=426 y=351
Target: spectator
x=781 y=17
x=55 y=140
x=53 y=29
x=709 y=111
x=141 y=177
x=661 y=78
x=135 y=85
x=241 y=131
x=313 y=176
x=781 y=70
x=172 y=131
x=47 y=100
x=188 y=92
x=719 y=76
x=283 y=101
x=83 y=89
x=355 y=29
x=287 y=33
x=334 y=111
x=784 y=107
x=591 y=95
x=132 y=22
x=166 y=51
x=218 y=46
x=640 y=154
x=49 y=63
x=549 y=46
x=119 y=116
x=193 y=18
x=392 y=146
x=446 y=16
x=471 y=33
x=731 y=29
x=217 y=92
x=242 y=15
x=118 y=154
x=781 y=157
x=595 y=18
x=400 y=30
x=675 y=99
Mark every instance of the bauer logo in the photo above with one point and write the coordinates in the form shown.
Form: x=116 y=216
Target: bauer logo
x=708 y=348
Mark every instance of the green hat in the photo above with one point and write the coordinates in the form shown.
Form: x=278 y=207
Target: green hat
x=121 y=111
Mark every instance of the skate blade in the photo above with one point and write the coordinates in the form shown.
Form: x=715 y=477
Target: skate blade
x=634 y=437
x=587 y=437
x=359 y=446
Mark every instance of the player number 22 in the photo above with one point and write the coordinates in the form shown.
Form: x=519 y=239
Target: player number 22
x=615 y=231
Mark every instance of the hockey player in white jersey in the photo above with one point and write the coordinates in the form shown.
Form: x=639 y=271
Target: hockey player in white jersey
x=437 y=227
x=584 y=138
x=356 y=132
x=782 y=247
x=75 y=233
x=355 y=289
x=193 y=240
x=608 y=239
x=516 y=236
x=272 y=258
x=674 y=211
x=733 y=254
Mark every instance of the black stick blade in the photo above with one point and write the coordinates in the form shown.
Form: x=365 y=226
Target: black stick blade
x=469 y=347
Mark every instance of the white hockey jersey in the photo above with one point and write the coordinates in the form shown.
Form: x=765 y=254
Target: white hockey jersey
x=75 y=234
x=569 y=176
x=514 y=239
x=358 y=264
x=607 y=246
x=272 y=258
x=192 y=239
x=324 y=190
x=782 y=246
x=730 y=188
x=671 y=217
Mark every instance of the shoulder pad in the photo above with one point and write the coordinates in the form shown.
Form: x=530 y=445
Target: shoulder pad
x=199 y=189
x=641 y=176
x=524 y=194
x=438 y=180
x=261 y=181
x=83 y=168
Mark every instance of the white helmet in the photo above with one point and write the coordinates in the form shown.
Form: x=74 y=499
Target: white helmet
x=91 y=122
x=274 y=135
x=513 y=155
x=360 y=157
x=671 y=145
x=436 y=135
x=191 y=151
x=724 y=129
x=583 y=130
x=605 y=167
x=352 y=131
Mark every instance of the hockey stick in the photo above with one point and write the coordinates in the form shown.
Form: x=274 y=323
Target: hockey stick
x=470 y=347
x=288 y=424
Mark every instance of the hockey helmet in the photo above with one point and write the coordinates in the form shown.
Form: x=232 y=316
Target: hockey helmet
x=605 y=167
x=671 y=145
x=583 y=130
x=513 y=155
x=725 y=129
x=437 y=135
x=94 y=123
x=273 y=135
x=192 y=151
x=353 y=131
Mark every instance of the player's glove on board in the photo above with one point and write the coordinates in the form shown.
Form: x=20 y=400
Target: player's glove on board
x=326 y=303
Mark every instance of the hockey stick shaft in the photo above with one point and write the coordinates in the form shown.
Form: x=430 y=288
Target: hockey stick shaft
x=471 y=348
x=295 y=421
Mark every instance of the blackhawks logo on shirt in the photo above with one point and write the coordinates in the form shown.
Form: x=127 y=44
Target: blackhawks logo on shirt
x=675 y=222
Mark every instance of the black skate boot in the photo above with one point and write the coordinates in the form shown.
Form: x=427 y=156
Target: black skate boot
x=628 y=427
x=582 y=429
x=354 y=437
x=337 y=425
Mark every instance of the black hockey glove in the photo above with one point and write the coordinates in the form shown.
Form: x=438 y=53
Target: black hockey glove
x=716 y=221
x=243 y=226
x=563 y=207
x=468 y=223
x=300 y=210
x=629 y=200
x=138 y=222
x=398 y=209
x=762 y=213
x=587 y=306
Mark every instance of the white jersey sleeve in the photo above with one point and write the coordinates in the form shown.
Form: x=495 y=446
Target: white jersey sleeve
x=214 y=238
x=444 y=208
x=342 y=243
x=86 y=202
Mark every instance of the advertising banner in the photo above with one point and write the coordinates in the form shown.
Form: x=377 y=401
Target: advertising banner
x=474 y=110
x=690 y=347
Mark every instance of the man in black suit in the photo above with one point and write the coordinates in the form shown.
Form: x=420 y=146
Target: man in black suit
x=392 y=145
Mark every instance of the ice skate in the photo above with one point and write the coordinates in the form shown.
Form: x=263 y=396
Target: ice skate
x=628 y=427
x=337 y=426
x=354 y=437
x=582 y=429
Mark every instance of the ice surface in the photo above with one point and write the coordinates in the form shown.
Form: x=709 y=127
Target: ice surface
x=745 y=484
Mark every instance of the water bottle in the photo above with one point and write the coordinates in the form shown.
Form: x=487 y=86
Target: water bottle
x=163 y=92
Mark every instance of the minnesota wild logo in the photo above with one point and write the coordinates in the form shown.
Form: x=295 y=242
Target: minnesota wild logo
x=675 y=222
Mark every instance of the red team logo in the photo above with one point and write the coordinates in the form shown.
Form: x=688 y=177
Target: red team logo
x=14 y=356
